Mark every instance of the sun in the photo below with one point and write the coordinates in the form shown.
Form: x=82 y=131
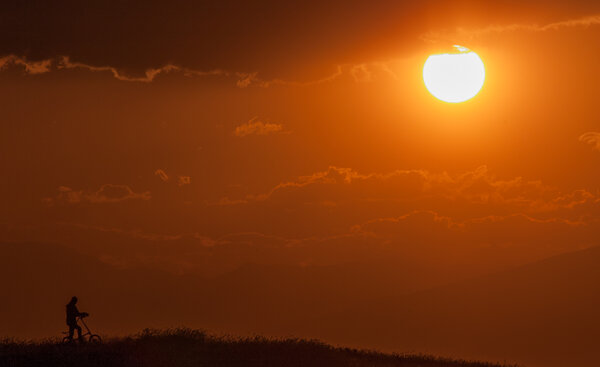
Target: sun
x=454 y=77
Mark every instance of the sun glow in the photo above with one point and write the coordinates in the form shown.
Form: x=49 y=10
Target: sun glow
x=454 y=77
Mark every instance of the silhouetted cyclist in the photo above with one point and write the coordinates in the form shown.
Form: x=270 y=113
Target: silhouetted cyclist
x=72 y=315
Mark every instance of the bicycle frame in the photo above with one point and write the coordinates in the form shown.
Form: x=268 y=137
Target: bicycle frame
x=88 y=331
x=92 y=337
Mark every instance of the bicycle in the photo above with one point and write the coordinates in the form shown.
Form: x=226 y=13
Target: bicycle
x=92 y=338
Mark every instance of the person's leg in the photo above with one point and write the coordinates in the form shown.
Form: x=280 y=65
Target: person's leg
x=71 y=331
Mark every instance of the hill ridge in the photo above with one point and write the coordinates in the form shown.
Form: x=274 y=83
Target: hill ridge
x=189 y=347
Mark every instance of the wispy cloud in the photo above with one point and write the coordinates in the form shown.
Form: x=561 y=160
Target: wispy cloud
x=580 y=22
x=181 y=180
x=65 y=63
x=477 y=190
x=257 y=127
x=584 y=22
x=592 y=138
x=162 y=175
x=108 y=193
x=184 y=180
x=362 y=72
x=253 y=79
x=31 y=67
x=148 y=76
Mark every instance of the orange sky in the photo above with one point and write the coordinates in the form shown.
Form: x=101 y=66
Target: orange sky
x=197 y=137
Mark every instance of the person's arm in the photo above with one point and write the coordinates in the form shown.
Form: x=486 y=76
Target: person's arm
x=80 y=314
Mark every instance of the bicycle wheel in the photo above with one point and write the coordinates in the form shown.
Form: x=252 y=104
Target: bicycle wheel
x=95 y=338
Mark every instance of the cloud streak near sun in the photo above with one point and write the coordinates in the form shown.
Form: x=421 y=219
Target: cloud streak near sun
x=438 y=36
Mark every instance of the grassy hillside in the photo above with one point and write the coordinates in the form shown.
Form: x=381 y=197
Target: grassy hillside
x=184 y=347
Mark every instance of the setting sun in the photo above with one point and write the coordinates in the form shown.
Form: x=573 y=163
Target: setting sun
x=454 y=77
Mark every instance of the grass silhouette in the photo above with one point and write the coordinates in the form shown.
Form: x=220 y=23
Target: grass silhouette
x=187 y=347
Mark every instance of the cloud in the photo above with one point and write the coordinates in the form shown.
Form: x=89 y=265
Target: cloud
x=257 y=127
x=587 y=21
x=478 y=186
x=108 y=193
x=592 y=138
x=65 y=63
x=253 y=79
x=181 y=180
x=332 y=200
x=184 y=180
x=360 y=72
x=368 y=72
x=162 y=175
x=363 y=72
x=148 y=75
x=582 y=22
x=31 y=67
x=428 y=226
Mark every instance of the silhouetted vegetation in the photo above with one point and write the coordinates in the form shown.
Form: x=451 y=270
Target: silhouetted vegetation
x=186 y=347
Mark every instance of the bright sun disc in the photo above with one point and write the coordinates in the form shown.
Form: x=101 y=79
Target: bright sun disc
x=454 y=77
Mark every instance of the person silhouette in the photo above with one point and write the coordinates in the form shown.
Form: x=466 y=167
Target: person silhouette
x=72 y=315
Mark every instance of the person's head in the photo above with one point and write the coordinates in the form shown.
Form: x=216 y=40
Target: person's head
x=73 y=300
